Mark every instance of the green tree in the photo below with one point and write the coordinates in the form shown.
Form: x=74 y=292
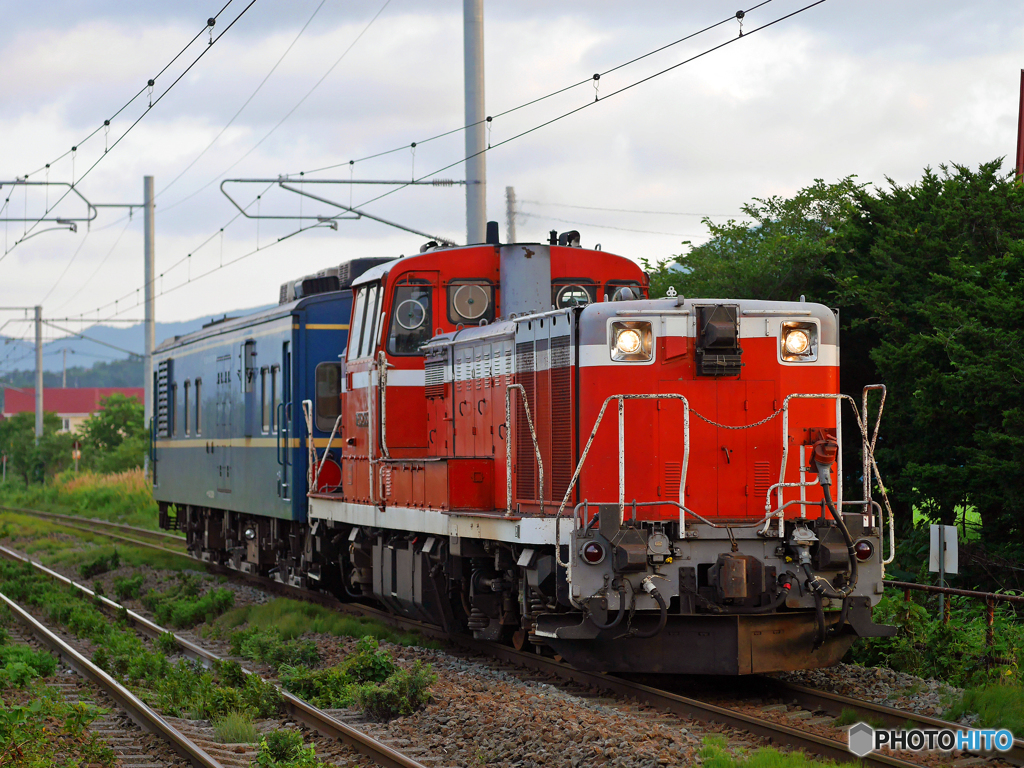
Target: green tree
x=33 y=461
x=929 y=280
x=115 y=438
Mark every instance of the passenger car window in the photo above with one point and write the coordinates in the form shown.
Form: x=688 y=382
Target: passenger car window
x=328 y=395
x=470 y=301
x=411 y=319
x=199 y=406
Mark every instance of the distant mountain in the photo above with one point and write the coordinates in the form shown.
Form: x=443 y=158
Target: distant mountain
x=18 y=357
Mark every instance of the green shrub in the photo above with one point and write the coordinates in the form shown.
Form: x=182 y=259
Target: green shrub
x=266 y=645
x=284 y=749
x=47 y=730
x=128 y=587
x=100 y=565
x=1000 y=706
x=183 y=606
x=402 y=693
x=19 y=664
x=235 y=728
x=167 y=643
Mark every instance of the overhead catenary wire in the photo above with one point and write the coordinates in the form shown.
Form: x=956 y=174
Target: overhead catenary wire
x=546 y=204
x=545 y=217
x=623 y=89
x=533 y=101
x=148 y=109
x=288 y=114
x=515 y=137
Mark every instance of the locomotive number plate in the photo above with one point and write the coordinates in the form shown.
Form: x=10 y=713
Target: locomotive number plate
x=362 y=418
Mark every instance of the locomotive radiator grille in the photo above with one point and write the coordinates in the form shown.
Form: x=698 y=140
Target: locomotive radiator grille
x=526 y=469
x=562 y=464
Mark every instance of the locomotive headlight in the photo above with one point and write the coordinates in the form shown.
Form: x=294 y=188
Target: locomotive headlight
x=631 y=341
x=799 y=342
x=628 y=342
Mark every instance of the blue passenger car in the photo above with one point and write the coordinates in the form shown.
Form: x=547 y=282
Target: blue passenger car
x=229 y=432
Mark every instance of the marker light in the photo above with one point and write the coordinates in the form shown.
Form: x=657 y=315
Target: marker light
x=797 y=342
x=863 y=550
x=628 y=342
x=249 y=533
x=592 y=552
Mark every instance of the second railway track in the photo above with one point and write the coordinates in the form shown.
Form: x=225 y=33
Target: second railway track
x=765 y=727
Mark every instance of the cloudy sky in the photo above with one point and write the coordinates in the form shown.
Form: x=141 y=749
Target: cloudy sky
x=875 y=88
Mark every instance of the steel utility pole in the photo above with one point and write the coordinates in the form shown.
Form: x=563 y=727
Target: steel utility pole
x=510 y=214
x=39 y=373
x=476 y=127
x=149 y=330
x=1020 y=129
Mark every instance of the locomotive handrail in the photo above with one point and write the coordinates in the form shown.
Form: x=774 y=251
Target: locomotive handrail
x=508 y=449
x=622 y=449
x=868 y=449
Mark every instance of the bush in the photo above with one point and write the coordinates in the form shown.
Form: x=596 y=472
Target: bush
x=284 y=749
x=402 y=693
x=266 y=645
x=19 y=665
x=183 y=606
x=128 y=587
x=100 y=565
x=167 y=643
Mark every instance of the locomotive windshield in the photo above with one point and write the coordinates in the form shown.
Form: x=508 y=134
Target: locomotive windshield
x=411 y=319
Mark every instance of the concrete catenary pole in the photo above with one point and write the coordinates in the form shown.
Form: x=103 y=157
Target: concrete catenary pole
x=510 y=214
x=149 y=237
x=39 y=373
x=476 y=131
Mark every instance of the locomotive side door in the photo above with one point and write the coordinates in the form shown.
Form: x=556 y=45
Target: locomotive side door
x=223 y=428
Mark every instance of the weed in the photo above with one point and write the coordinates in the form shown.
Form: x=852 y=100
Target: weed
x=183 y=605
x=284 y=749
x=293 y=618
x=402 y=693
x=266 y=645
x=235 y=728
x=19 y=664
x=850 y=716
x=714 y=754
x=100 y=565
x=167 y=643
x=128 y=587
x=47 y=730
x=999 y=705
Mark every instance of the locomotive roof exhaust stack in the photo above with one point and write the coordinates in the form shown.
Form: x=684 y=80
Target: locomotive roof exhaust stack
x=525 y=279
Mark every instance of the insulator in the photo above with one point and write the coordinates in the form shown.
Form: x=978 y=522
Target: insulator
x=443 y=182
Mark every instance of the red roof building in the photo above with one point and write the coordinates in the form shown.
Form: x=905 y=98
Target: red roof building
x=72 y=405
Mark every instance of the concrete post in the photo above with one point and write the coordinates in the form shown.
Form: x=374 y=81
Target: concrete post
x=39 y=373
x=476 y=131
x=149 y=330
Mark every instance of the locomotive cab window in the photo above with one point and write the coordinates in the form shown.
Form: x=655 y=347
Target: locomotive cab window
x=572 y=292
x=622 y=290
x=355 y=331
x=328 y=395
x=411 y=317
x=470 y=302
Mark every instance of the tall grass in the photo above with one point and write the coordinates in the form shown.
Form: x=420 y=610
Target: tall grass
x=122 y=497
x=292 y=618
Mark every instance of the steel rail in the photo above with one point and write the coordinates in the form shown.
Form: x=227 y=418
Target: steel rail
x=676 y=703
x=834 y=703
x=295 y=707
x=141 y=714
x=159 y=535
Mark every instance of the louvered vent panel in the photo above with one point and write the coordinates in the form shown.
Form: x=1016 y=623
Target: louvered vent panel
x=433 y=377
x=671 y=477
x=526 y=459
x=762 y=478
x=561 y=419
x=163 y=410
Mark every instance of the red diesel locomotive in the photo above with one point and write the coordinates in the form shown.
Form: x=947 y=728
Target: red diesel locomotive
x=526 y=447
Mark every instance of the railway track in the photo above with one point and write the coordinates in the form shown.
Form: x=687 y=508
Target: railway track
x=295 y=708
x=809 y=704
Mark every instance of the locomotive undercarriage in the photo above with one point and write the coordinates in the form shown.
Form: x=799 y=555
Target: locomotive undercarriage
x=734 y=603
